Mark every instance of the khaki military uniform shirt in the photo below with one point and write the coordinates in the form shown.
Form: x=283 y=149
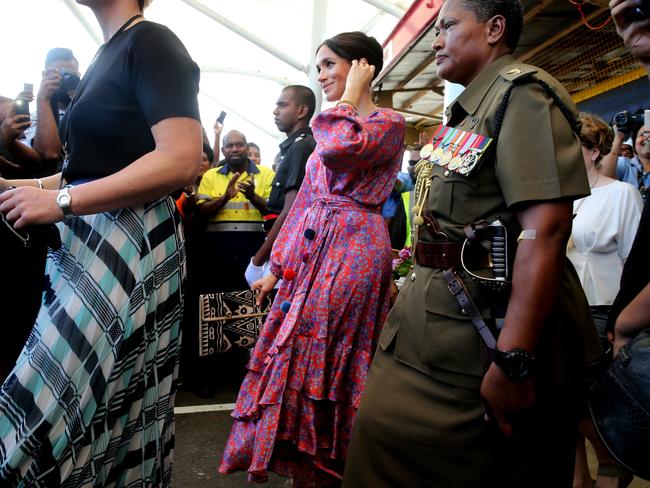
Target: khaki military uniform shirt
x=537 y=157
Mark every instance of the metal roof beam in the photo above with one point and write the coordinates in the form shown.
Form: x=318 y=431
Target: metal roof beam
x=372 y=22
x=437 y=118
x=389 y=8
x=536 y=10
x=247 y=72
x=437 y=89
x=416 y=72
x=436 y=110
x=408 y=103
x=208 y=12
x=240 y=115
x=82 y=20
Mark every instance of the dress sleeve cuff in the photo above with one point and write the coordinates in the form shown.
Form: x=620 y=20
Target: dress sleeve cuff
x=347 y=109
x=276 y=270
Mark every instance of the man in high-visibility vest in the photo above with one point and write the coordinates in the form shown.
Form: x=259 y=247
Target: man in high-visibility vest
x=232 y=198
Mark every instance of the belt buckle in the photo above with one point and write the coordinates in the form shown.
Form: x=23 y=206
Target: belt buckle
x=454 y=286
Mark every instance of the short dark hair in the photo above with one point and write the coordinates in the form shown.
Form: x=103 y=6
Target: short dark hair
x=143 y=3
x=59 y=54
x=357 y=45
x=252 y=144
x=208 y=150
x=511 y=10
x=223 y=140
x=303 y=95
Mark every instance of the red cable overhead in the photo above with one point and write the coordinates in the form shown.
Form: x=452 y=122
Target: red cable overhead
x=579 y=4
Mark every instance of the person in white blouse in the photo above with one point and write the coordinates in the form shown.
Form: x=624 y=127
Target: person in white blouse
x=604 y=227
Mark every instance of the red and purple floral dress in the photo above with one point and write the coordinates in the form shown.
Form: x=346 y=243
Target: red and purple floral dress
x=297 y=404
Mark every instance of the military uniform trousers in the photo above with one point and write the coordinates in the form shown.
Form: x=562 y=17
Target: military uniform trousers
x=434 y=434
x=426 y=427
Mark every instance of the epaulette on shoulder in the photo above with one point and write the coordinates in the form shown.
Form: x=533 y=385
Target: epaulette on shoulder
x=304 y=139
x=517 y=71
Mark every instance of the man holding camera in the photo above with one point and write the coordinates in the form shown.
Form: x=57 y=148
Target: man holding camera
x=635 y=171
x=60 y=80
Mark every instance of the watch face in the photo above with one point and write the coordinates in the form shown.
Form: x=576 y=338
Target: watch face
x=63 y=199
x=519 y=364
x=516 y=364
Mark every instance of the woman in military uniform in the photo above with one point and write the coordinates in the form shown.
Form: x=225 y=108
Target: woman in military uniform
x=435 y=411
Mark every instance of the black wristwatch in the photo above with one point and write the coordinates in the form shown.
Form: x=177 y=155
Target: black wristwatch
x=517 y=364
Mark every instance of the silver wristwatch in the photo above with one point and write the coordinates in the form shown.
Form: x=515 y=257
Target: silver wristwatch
x=64 y=201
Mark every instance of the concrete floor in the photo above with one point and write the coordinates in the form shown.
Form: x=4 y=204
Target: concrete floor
x=200 y=439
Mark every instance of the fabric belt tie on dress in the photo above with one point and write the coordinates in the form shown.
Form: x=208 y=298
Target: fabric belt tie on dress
x=446 y=254
x=332 y=204
x=234 y=227
x=336 y=203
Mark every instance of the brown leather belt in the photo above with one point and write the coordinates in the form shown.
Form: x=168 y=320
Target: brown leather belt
x=446 y=254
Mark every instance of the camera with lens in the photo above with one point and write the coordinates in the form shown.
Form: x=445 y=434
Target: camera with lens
x=627 y=122
x=69 y=82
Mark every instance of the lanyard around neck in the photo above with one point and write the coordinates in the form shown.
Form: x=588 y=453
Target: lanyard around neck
x=84 y=82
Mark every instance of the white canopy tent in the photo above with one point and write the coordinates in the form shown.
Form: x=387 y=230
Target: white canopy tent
x=247 y=49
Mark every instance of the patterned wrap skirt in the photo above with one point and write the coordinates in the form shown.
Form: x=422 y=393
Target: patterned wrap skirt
x=90 y=400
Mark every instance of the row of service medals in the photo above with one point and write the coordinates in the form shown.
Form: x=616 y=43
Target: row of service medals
x=453 y=149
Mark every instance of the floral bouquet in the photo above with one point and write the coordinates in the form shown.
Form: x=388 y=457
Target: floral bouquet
x=402 y=264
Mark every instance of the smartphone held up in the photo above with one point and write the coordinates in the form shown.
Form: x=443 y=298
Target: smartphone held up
x=221 y=118
x=22 y=106
x=22 y=101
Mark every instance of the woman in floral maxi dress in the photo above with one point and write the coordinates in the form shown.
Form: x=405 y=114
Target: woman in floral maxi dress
x=297 y=404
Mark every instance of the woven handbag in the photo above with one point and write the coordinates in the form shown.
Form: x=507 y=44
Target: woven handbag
x=230 y=319
x=619 y=402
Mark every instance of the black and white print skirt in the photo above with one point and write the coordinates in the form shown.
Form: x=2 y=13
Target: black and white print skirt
x=90 y=400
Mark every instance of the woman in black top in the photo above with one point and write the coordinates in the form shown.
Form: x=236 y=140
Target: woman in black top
x=90 y=400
